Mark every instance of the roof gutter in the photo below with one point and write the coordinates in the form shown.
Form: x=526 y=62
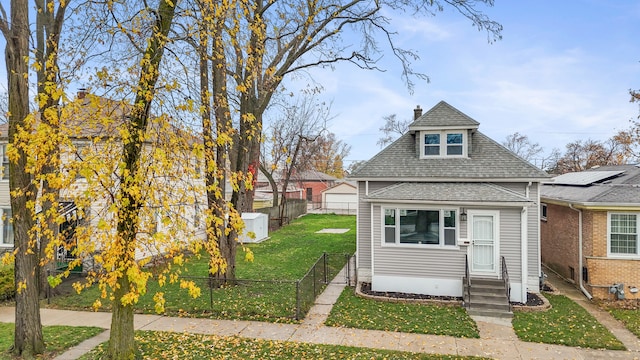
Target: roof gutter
x=580 y=280
x=451 y=203
x=592 y=205
x=452 y=179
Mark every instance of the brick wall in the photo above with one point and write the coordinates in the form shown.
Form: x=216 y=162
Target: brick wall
x=603 y=271
x=559 y=239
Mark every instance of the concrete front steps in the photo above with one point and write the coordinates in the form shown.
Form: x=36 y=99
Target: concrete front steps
x=488 y=298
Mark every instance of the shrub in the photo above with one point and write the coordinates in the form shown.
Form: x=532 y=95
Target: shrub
x=7 y=286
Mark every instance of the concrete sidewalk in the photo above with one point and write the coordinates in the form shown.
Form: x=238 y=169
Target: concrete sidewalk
x=497 y=340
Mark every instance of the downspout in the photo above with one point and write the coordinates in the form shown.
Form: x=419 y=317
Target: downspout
x=580 y=280
x=524 y=244
x=524 y=253
x=357 y=229
x=372 y=244
x=371 y=223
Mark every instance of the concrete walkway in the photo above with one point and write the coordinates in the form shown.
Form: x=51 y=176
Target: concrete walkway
x=497 y=340
x=629 y=340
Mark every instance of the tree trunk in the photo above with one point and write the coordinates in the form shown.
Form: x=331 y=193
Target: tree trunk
x=48 y=28
x=121 y=340
x=272 y=183
x=28 y=340
x=226 y=239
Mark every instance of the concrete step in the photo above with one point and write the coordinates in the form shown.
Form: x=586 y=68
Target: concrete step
x=489 y=306
x=491 y=299
x=489 y=291
x=487 y=297
x=486 y=281
x=490 y=313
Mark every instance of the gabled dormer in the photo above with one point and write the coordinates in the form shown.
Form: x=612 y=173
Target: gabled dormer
x=443 y=132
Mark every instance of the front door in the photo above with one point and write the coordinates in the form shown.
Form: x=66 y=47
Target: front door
x=483 y=230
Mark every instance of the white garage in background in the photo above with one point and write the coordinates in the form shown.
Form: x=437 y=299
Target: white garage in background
x=341 y=198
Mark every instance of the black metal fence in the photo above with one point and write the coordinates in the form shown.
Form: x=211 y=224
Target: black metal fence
x=257 y=299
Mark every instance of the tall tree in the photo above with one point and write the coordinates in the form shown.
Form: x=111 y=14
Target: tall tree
x=288 y=144
x=125 y=270
x=392 y=129
x=28 y=328
x=259 y=43
x=49 y=22
x=583 y=155
x=326 y=154
x=522 y=146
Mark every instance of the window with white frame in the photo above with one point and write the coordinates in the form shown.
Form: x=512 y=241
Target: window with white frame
x=543 y=212
x=7 y=227
x=443 y=144
x=5 y=162
x=420 y=226
x=623 y=234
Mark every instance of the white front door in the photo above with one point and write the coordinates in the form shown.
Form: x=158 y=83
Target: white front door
x=483 y=230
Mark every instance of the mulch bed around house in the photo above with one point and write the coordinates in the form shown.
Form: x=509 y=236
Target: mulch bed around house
x=365 y=288
x=532 y=300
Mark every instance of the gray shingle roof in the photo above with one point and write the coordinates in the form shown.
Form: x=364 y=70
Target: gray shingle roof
x=444 y=114
x=487 y=159
x=447 y=192
x=622 y=190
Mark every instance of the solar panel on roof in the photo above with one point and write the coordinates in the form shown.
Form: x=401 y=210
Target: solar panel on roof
x=584 y=178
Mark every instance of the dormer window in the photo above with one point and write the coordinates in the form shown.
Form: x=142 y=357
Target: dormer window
x=450 y=143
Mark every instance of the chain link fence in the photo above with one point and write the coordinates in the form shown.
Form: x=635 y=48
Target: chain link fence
x=249 y=299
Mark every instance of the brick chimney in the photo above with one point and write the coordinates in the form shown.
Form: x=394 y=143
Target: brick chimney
x=417 y=112
x=82 y=93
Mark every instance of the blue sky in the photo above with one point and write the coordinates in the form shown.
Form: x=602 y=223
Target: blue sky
x=562 y=72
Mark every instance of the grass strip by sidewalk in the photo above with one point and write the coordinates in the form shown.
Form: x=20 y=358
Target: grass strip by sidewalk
x=287 y=255
x=56 y=338
x=629 y=317
x=566 y=323
x=166 y=345
x=361 y=313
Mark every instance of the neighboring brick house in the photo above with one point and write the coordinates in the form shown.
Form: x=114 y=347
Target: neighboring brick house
x=305 y=185
x=313 y=183
x=589 y=229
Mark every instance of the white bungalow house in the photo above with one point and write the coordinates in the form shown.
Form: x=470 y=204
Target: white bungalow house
x=445 y=206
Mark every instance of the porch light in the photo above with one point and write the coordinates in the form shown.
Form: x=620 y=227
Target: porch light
x=463 y=214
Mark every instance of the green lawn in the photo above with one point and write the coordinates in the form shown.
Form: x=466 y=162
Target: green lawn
x=287 y=255
x=356 y=312
x=629 y=317
x=56 y=338
x=566 y=323
x=157 y=345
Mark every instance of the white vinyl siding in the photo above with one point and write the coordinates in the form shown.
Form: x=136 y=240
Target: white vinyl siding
x=510 y=242
x=533 y=226
x=4 y=194
x=364 y=223
x=533 y=233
